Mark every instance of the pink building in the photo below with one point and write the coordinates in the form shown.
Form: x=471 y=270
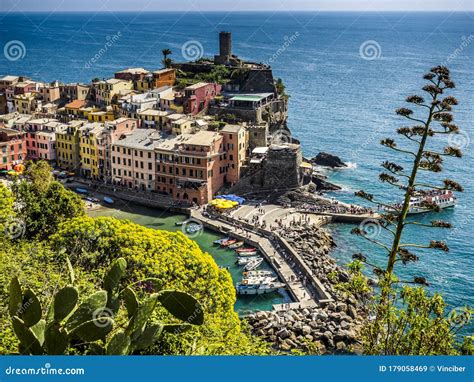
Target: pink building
x=133 y=160
x=12 y=148
x=197 y=97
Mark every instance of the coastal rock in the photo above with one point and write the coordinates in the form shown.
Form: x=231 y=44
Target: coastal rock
x=351 y=311
x=283 y=334
x=341 y=346
x=328 y=160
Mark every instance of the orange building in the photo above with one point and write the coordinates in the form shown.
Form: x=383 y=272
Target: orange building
x=12 y=148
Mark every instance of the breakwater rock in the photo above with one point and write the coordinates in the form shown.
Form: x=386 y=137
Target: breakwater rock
x=333 y=328
x=327 y=160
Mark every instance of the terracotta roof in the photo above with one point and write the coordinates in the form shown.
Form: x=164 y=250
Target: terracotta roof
x=76 y=104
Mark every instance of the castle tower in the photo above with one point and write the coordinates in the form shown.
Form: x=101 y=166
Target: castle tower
x=225 y=44
x=225 y=49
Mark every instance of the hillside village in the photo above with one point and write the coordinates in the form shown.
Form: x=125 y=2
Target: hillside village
x=184 y=131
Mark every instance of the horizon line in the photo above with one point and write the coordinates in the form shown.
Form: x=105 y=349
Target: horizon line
x=248 y=11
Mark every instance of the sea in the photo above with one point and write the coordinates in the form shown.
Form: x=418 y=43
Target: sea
x=345 y=72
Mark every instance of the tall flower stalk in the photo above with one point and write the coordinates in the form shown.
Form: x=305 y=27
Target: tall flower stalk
x=433 y=118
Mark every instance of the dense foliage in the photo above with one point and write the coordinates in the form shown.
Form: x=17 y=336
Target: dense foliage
x=56 y=228
x=43 y=203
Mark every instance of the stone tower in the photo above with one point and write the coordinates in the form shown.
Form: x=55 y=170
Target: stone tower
x=225 y=44
x=225 y=49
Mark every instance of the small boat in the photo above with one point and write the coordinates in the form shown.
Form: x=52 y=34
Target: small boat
x=258 y=289
x=220 y=241
x=92 y=200
x=247 y=254
x=236 y=245
x=81 y=191
x=258 y=280
x=193 y=228
x=254 y=264
x=228 y=242
x=249 y=249
x=258 y=274
x=108 y=200
x=245 y=260
x=179 y=224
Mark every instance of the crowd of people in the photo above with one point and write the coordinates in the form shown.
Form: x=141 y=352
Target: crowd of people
x=337 y=208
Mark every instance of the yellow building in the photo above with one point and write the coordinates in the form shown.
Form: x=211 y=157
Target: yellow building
x=67 y=147
x=25 y=103
x=101 y=116
x=89 y=150
x=106 y=90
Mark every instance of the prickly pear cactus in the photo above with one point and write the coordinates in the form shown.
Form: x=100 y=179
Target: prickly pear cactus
x=68 y=322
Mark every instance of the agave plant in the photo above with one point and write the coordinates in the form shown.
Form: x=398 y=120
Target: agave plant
x=91 y=323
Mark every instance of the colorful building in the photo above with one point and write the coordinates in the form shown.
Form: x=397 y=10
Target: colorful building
x=106 y=90
x=164 y=77
x=198 y=96
x=191 y=167
x=133 y=160
x=67 y=146
x=236 y=144
x=88 y=148
x=12 y=148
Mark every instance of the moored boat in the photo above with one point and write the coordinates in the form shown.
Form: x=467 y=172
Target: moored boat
x=254 y=264
x=81 y=191
x=248 y=249
x=421 y=201
x=245 y=260
x=258 y=289
x=258 y=274
x=220 y=241
x=228 y=242
x=247 y=254
x=108 y=200
x=259 y=280
x=236 y=245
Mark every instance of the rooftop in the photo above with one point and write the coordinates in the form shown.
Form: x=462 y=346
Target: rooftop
x=162 y=71
x=153 y=112
x=9 y=78
x=251 y=97
x=76 y=104
x=134 y=71
x=196 y=86
x=144 y=139
x=232 y=128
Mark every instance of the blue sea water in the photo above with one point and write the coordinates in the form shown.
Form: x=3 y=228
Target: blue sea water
x=345 y=72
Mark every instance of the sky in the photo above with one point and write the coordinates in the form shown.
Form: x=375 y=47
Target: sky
x=234 y=5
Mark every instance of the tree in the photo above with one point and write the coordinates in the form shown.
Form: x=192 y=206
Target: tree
x=43 y=203
x=166 y=60
x=178 y=263
x=280 y=86
x=437 y=110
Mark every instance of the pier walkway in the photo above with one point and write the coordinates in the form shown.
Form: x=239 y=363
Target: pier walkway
x=302 y=284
